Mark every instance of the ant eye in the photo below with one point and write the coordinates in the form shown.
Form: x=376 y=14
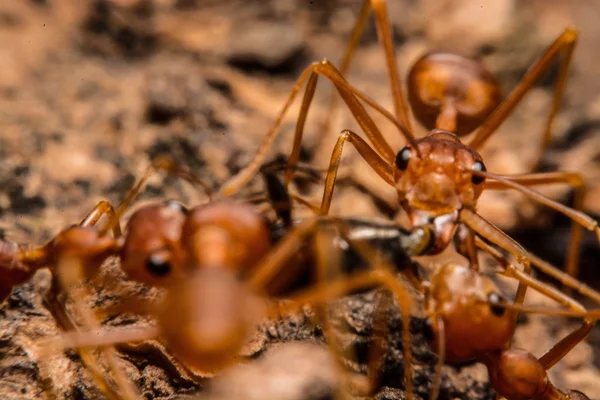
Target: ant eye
x=479 y=167
x=177 y=206
x=495 y=298
x=158 y=265
x=402 y=158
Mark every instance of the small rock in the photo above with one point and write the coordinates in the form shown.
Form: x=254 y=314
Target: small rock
x=247 y=44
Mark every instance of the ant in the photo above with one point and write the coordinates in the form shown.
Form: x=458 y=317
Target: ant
x=213 y=261
x=438 y=178
x=76 y=253
x=470 y=319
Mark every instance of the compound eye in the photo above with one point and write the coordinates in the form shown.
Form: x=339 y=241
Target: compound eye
x=402 y=158
x=494 y=299
x=158 y=264
x=479 y=167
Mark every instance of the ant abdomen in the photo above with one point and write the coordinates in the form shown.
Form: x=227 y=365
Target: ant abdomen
x=516 y=374
x=446 y=89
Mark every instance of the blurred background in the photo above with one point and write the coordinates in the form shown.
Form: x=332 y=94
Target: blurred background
x=90 y=91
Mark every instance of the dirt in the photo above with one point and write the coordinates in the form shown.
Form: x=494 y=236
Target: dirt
x=90 y=91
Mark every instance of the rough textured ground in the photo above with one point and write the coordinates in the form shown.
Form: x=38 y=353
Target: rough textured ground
x=90 y=91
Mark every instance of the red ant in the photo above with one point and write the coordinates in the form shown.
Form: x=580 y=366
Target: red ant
x=471 y=320
x=77 y=253
x=438 y=178
x=212 y=260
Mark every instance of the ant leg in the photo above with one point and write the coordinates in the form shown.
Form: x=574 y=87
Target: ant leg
x=384 y=33
x=490 y=232
x=380 y=275
x=350 y=96
x=578 y=218
x=465 y=246
x=65 y=270
x=566 y=344
x=380 y=166
x=562 y=46
x=103 y=208
x=572 y=179
x=358 y=281
x=328 y=265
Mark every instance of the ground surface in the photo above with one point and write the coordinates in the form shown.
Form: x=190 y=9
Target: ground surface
x=90 y=91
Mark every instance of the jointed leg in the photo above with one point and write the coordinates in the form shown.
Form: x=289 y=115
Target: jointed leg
x=103 y=208
x=560 y=349
x=361 y=280
x=78 y=294
x=565 y=345
x=328 y=265
x=369 y=155
x=488 y=231
x=562 y=47
x=350 y=96
x=382 y=275
x=572 y=179
x=384 y=33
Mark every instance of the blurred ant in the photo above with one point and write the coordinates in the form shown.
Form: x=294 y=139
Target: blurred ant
x=76 y=254
x=211 y=260
x=216 y=260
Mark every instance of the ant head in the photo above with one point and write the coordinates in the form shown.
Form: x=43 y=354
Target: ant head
x=152 y=252
x=438 y=78
x=204 y=318
x=225 y=233
x=437 y=180
x=464 y=300
x=516 y=374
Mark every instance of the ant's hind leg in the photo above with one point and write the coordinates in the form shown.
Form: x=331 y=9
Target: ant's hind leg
x=384 y=32
x=350 y=96
x=574 y=180
x=562 y=47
